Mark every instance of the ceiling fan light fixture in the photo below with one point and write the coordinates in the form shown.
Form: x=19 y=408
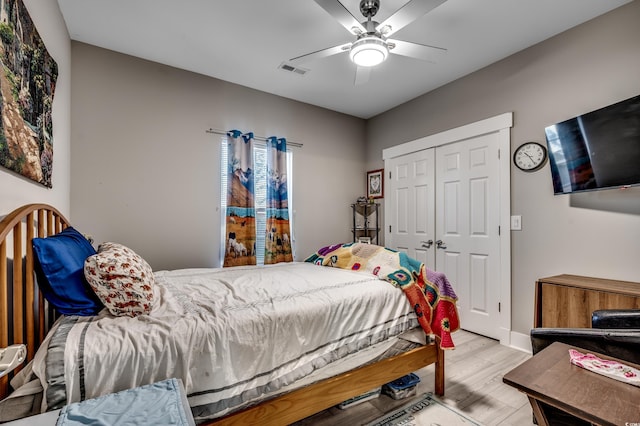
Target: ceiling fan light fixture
x=368 y=52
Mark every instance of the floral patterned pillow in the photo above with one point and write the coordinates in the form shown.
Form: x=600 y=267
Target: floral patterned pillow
x=121 y=279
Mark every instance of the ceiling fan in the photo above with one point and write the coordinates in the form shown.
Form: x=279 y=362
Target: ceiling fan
x=373 y=45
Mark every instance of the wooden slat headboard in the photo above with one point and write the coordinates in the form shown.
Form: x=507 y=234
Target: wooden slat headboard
x=21 y=302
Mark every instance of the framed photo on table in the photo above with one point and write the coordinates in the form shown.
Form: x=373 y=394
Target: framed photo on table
x=375 y=183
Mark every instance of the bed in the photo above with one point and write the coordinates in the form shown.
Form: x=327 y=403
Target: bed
x=356 y=353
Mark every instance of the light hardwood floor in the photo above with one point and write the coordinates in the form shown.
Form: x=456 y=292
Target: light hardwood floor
x=473 y=384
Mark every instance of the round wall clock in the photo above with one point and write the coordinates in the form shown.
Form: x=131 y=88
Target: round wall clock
x=530 y=156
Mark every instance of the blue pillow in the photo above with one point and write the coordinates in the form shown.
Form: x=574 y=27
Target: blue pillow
x=59 y=265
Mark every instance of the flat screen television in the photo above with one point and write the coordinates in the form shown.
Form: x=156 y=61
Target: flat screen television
x=596 y=150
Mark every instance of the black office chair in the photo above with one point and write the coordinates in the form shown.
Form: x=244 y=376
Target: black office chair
x=614 y=332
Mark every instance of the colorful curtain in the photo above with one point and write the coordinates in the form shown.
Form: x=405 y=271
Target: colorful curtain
x=278 y=234
x=240 y=212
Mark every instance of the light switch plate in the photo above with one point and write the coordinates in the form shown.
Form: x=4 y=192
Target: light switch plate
x=516 y=223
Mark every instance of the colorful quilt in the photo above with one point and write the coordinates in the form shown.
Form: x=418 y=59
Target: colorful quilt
x=429 y=292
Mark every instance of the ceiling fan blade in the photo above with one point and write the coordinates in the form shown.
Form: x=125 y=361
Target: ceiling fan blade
x=342 y=15
x=418 y=51
x=408 y=13
x=319 y=54
x=362 y=75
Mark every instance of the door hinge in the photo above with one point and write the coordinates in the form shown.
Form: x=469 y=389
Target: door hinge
x=389 y=174
x=498 y=229
x=499 y=307
x=498 y=154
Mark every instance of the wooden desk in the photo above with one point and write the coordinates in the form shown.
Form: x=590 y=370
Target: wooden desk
x=549 y=379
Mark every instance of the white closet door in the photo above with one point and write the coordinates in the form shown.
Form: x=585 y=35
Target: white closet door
x=410 y=209
x=443 y=209
x=471 y=201
x=467 y=224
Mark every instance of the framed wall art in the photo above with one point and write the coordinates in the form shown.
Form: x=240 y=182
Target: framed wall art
x=28 y=83
x=375 y=183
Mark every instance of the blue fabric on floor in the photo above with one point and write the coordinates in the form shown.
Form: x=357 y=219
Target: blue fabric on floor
x=158 y=404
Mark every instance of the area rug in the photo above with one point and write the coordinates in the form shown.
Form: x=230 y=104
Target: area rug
x=427 y=410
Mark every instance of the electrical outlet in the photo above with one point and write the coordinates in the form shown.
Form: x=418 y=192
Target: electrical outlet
x=516 y=223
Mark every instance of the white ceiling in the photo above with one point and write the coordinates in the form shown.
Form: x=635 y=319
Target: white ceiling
x=245 y=42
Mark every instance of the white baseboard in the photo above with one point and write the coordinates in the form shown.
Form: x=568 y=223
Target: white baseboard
x=520 y=341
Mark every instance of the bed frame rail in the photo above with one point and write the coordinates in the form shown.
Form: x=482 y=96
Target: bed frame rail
x=304 y=402
x=25 y=316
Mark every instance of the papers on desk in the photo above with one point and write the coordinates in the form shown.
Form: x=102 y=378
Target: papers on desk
x=606 y=367
x=159 y=404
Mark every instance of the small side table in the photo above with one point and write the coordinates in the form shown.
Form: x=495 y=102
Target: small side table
x=550 y=380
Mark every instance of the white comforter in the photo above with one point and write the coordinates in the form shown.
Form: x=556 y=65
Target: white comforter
x=230 y=334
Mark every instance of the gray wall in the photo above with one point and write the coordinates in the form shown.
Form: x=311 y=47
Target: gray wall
x=588 y=67
x=16 y=190
x=142 y=171
x=146 y=174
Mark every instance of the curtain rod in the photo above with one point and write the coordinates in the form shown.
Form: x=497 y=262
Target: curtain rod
x=260 y=138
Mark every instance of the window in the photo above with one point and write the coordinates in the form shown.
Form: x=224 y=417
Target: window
x=260 y=176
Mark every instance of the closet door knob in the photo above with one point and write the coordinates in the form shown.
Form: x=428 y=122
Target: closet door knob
x=427 y=244
x=440 y=244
